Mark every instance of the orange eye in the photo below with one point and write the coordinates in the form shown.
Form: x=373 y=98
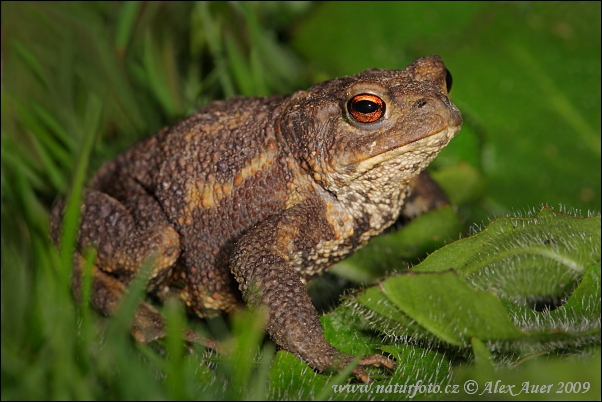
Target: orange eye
x=366 y=108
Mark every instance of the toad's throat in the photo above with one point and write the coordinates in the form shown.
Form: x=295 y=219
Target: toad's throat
x=426 y=145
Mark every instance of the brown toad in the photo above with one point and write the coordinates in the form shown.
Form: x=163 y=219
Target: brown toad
x=251 y=197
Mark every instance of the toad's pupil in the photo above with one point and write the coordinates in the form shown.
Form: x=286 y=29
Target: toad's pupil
x=366 y=106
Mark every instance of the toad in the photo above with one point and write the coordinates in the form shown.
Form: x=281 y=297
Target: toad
x=249 y=198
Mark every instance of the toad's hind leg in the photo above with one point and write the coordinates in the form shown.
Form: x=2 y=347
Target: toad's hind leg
x=147 y=325
x=106 y=294
x=127 y=228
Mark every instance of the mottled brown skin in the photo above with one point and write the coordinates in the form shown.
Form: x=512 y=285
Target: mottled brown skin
x=251 y=197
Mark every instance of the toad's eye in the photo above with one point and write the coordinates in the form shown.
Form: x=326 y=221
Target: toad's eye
x=366 y=108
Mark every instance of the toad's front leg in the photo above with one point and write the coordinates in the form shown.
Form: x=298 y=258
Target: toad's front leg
x=263 y=265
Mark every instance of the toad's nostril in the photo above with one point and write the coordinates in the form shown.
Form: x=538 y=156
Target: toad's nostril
x=448 y=80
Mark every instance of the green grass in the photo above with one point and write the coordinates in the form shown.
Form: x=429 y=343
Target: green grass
x=83 y=81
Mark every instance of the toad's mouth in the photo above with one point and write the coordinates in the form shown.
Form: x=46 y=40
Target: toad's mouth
x=418 y=151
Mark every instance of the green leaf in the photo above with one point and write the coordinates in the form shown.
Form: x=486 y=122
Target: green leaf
x=585 y=300
x=448 y=307
x=520 y=258
x=497 y=272
x=386 y=317
x=578 y=316
x=346 y=330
